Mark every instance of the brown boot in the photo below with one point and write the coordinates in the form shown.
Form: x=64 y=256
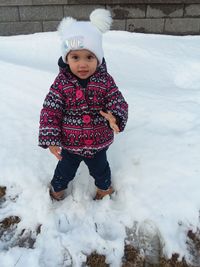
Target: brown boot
x=57 y=195
x=102 y=193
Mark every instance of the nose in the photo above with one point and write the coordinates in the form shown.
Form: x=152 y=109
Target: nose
x=82 y=64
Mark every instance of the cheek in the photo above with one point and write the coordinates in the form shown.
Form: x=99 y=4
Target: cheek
x=72 y=66
x=93 y=69
x=95 y=66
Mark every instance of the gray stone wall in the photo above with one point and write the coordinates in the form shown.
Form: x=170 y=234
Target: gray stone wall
x=177 y=17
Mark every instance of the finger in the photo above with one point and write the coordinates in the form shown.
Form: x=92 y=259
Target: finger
x=56 y=151
x=58 y=156
x=108 y=116
x=104 y=114
x=111 y=116
x=115 y=128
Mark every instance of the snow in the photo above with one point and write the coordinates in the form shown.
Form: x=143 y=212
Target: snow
x=154 y=162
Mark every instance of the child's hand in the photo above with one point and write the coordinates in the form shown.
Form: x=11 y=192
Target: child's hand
x=111 y=119
x=56 y=150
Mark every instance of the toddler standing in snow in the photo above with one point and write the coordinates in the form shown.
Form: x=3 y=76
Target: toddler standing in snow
x=83 y=107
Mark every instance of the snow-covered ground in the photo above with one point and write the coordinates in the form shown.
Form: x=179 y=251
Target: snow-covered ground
x=155 y=162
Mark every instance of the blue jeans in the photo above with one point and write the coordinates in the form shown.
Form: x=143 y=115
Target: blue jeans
x=66 y=169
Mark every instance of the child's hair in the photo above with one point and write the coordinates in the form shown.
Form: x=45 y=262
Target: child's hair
x=77 y=35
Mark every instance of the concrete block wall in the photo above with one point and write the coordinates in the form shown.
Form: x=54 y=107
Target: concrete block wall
x=177 y=17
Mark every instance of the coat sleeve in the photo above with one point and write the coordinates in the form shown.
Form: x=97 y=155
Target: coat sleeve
x=116 y=103
x=51 y=116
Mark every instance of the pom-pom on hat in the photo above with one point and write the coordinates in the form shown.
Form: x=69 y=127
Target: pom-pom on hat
x=78 y=35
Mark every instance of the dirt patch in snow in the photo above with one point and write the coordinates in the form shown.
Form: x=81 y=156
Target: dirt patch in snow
x=96 y=260
x=9 y=221
x=2 y=191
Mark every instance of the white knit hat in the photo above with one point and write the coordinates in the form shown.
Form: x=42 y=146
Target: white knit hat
x=77 y=35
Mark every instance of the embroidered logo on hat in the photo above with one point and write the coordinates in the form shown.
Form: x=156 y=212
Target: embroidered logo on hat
x=74 y=43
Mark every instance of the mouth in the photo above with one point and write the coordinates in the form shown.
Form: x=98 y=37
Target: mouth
x=83 y=72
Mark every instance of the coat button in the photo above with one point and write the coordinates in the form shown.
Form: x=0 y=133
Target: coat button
x=86 y=119
x=79 y=93
x=89 y=142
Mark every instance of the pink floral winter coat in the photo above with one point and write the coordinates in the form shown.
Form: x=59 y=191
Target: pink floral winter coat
x=70 y=115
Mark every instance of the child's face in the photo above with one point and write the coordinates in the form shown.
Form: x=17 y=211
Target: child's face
x=82 y=63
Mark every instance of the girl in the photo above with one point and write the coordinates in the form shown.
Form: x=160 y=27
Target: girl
x=83 y=107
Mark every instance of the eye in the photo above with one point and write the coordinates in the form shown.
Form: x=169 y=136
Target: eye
x=74 y=57
x=90 y=57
